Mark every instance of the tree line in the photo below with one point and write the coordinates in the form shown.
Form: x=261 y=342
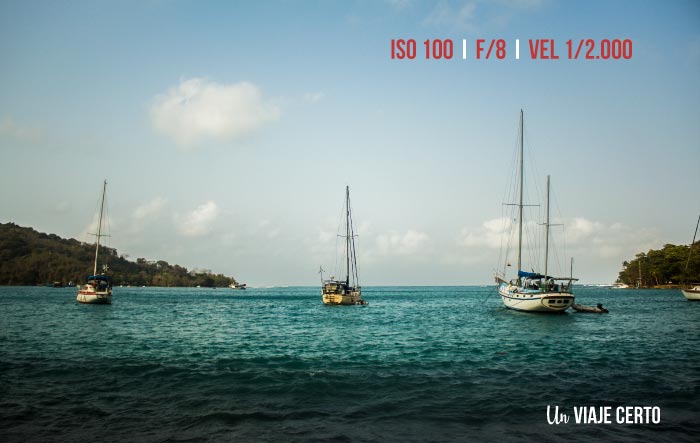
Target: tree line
x=666 y=266
x=28 y=257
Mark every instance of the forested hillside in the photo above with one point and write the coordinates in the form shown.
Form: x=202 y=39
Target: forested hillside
x=662 y=267
x=28 y=257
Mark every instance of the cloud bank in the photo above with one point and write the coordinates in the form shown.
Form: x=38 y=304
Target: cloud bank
x=585 y=236
x=150 y=209
x=198 y=222
x=199 y=110
x=394 y=243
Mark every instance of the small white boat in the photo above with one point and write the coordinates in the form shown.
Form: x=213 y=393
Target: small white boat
x=98 y=289
x=691 y=292
x=348 y=291
x=532 y=291
x=238 y=286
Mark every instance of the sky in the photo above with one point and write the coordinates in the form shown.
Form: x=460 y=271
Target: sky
x=227 y=132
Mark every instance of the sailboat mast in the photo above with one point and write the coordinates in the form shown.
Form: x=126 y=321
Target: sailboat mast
x=546 y=241
x=571 y=270
x=347 y=234
x=99 y=225
x=520 y=206
x=690 y=251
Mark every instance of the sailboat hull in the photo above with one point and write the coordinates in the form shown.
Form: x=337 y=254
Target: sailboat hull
x=518 y=299
x=354 y=298
x=101 y=298
x=337 y=299
x=692 y=294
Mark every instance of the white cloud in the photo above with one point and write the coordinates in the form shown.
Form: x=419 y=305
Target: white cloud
x=314 y=97
x=149 y=209
x=585 y=236
x=198 y=110
x=394 y=243
x=490 y=233
x=608 y=241
x=598 y=247
x=580 y=229
x=145 y=213
x=199 y=221
x=19 y=132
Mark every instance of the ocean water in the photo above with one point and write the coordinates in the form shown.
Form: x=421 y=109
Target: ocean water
x=417 y=364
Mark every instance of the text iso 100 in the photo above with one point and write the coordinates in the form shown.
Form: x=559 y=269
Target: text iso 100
x=436 y=49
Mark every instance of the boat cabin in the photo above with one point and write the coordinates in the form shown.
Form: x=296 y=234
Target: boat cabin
x=100 y=282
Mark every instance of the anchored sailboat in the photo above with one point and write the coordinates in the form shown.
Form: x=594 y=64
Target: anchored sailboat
x=348 y=291
x=532 y=291
x=98 y=288
x=691 y=292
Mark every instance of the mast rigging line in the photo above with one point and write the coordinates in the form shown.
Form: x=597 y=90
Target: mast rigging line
x=690 y=251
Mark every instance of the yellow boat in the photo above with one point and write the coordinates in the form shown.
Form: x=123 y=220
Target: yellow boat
x=348 y=291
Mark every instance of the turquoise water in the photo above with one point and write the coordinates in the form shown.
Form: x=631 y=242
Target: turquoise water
x=417 y=364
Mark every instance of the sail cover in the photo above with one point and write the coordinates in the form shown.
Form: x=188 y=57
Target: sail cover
x=524 y=274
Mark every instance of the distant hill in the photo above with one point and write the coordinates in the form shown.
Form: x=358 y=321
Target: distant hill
x=662 y=267
x=28 y=257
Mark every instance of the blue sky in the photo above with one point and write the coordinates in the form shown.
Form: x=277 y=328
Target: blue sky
x=228 y=130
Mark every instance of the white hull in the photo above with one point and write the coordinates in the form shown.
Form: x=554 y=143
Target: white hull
x=104 y=298
x=534 y=301
x=692 y=294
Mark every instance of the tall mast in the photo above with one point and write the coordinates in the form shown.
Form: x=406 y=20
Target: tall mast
x=520 y=206
x=347 y=235
x=690 y=251
x=546 y=241
x=571 y=274
x=99 y=225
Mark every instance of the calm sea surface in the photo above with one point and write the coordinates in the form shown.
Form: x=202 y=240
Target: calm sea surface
x=417 y=364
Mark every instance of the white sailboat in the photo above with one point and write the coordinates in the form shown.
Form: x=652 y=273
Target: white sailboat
x=348 y=291
x=691 y=292
x=533 y=291
x=98 y=289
